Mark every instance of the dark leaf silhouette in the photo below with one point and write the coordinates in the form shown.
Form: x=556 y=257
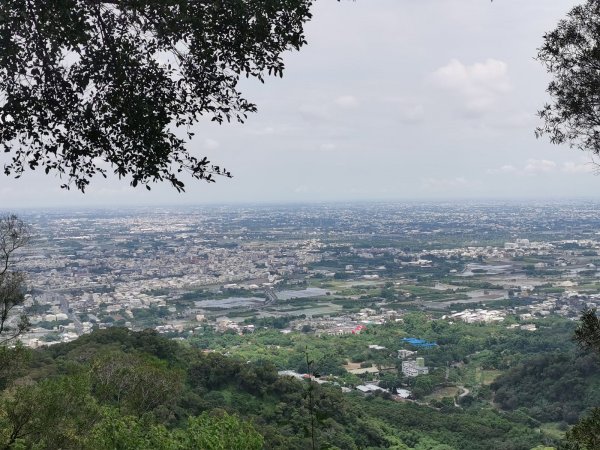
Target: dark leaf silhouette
x=91 y=86
x=571 y=55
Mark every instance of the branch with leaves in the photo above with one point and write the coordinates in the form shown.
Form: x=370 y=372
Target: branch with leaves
x=571 y=55
x=93 y=86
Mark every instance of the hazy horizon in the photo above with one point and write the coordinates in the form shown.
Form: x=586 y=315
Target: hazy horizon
x=300 y=203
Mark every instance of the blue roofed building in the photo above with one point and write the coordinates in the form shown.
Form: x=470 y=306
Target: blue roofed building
x=419 y=342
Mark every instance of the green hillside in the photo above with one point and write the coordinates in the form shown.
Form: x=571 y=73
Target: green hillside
x=136 y=390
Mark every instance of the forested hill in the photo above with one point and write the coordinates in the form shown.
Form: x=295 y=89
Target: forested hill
x=554 y=387
x=137 y=390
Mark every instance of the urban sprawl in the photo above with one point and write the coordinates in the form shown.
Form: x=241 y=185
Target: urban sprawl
x=331 y=269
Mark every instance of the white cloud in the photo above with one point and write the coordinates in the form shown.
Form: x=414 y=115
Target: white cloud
x=535 y=166
x=530 y=167
x=507 y=168
x=347 y=102
x=479 y=86
x=575 y=168
x=211 y=144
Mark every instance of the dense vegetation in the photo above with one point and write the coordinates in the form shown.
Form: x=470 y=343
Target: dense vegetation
x=554 y=387
x=121 y=389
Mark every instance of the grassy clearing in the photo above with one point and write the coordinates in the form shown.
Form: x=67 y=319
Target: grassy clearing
x=488 y=376
x=553 y=429
x=438 y=394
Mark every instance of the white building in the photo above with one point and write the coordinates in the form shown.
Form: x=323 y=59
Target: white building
x=405 y=353
x=402 y=393
x=369 y=388
x=376 y=347
x=414 y=367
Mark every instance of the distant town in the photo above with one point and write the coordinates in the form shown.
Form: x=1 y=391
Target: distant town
x=322 y=268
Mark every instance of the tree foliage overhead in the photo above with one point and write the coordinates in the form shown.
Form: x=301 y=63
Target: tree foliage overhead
x=88 y=86
x=571 y=54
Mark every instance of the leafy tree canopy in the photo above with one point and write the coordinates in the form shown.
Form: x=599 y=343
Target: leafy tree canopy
x=587 y=333
x=584 y=435
x=571 y=54
x=88 y=86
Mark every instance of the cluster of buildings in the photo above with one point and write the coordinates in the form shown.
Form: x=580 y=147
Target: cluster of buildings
x=106 y=267
x=478 y=315
x=414 y=367
x=342 y=324
x=93 y=269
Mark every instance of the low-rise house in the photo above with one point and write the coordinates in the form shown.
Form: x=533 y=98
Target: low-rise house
x=370 y=388
x=403 y=393
x=402 y=354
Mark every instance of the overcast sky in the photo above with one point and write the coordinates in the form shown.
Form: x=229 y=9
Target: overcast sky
x=391 y=99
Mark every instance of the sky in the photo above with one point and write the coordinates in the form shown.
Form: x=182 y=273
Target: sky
x=390 y=100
